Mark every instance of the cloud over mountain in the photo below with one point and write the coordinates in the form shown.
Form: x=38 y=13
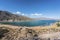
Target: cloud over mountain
x=19 y=13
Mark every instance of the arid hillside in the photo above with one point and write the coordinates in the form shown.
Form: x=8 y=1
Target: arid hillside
x=8 y=16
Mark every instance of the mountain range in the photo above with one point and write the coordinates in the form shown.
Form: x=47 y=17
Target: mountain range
x=8 y=16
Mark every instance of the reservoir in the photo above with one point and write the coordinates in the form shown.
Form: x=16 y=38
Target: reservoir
x=31 y=23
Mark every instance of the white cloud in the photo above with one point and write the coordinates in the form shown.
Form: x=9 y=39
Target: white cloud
x=36 y=14
x=23 y=14
x=18 y=12
x=29 y=15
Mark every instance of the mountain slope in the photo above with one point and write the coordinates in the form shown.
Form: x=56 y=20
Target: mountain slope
x=5 y=15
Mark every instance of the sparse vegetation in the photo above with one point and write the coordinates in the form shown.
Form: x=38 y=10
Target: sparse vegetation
x=7 y=33
x=58 y=23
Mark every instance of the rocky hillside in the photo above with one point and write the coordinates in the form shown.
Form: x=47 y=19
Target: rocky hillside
x=7 y=16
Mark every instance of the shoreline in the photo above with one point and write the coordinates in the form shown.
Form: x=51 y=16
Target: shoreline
x=35 y=27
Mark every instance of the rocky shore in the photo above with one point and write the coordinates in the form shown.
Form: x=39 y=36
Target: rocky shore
x=9 y=32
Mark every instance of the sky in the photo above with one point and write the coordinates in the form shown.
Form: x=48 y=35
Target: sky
x=32 y=8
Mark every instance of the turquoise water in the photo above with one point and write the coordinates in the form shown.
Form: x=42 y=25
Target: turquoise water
x=31 y=23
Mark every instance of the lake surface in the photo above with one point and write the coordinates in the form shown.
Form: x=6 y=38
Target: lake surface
x=31 y=23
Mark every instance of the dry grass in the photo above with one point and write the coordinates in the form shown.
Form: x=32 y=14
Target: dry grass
x=30 y=33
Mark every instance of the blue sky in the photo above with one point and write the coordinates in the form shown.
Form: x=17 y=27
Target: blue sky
x=32 y=8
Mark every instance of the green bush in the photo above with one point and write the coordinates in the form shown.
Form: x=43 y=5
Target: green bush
x=58 y=24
